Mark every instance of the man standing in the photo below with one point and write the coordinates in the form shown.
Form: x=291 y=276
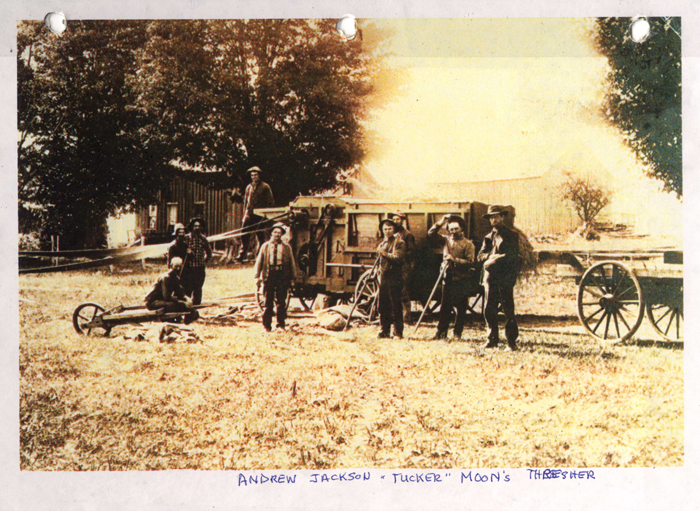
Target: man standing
x=392 y=253
x=167 y=293
x=408 y=265
x=458 y=260
x=258 y=194
x=178 y=248
x=274 y=269
x=499 y=253
x=198 y=254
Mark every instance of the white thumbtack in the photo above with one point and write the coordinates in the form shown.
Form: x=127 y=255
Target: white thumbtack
x=640 y=29
x=56 y=22
x=347 y=27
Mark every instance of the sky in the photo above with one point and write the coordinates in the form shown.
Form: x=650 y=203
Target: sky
x=481 y=99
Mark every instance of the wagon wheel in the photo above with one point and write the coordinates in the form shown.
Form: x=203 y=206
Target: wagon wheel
x=260 y=297
x=667 y=318
x=84 y=314
x=610 y=302
x=367 y=302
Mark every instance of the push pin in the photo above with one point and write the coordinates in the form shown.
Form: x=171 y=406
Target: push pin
x=639 y=29
x=55 y=22
x=347 y=27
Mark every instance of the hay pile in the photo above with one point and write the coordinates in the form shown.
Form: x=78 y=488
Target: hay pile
x=163 y=332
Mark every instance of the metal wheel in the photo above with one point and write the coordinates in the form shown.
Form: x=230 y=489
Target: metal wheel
x=86 y=318
x=666 y=316
x=260 y=297
x=366 y=296
x=610 y=302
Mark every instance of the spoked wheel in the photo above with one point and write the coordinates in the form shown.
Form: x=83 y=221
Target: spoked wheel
x=367 y=295
x=610 y=302
x=86 y=319
x=260 y=297
x=666 y=316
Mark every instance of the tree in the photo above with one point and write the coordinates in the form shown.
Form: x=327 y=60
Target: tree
x=285 y=95
x=643 y=99
x=81 y=155
x=110 y=110
x=586 y=195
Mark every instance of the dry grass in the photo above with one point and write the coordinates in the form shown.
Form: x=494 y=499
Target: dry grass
x=245 y=400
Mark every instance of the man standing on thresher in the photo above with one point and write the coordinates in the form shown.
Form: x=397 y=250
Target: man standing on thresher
x=408 y=265
x=499 y=253
x=167 y=293
x=258 y=194
x=457 y=263
x=198 y=254
x=391 y=253
x=275 y=269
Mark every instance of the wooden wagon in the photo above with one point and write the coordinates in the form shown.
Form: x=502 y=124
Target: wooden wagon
x=617 y=288
x=335 y=240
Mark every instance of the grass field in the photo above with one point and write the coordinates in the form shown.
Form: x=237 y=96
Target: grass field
x=304 y=398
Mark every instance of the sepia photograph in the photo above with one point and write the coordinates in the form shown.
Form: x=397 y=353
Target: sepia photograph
x=323 y=244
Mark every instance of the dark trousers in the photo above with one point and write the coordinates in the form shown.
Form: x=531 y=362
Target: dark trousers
x=455 y=294
x=498 y=293
x=276 y=288
x=390 y=307
x=192 y=281
x=250 y=225
x=192 y=315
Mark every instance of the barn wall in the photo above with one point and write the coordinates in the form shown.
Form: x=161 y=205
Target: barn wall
x=537 y=209
x=191 y=199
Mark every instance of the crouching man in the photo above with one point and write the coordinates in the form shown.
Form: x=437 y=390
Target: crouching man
x=167 y=293
x=275 y=269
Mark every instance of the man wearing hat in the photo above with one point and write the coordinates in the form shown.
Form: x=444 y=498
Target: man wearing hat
x=198 y=254
x=168 y=295
x=178 y=248
x=499 y=252
x=458 y=256
x=408 y=265
x=275 y=268
x=258 y=194
x=392 y=253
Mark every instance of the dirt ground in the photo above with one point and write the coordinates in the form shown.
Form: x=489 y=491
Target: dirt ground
x=309 y=398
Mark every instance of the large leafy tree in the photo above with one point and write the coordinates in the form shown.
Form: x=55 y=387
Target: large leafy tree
x=110 y=110
x=644 y=94
x=285 y=95
x=81 y=155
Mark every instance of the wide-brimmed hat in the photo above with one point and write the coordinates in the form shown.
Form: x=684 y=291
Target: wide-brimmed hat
x=254 y=169
x=398 y=214
x=457 y=219
x=280 y=225
x=177 y=227
x=197 y=219
x=495 y=210
x=387 y=221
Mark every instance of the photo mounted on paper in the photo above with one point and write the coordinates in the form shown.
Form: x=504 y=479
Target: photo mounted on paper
x=321 y=244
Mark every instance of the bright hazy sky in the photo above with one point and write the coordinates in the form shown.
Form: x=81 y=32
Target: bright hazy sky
x=479 y=99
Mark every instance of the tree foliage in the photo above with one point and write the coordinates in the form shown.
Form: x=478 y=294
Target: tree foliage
x=644 y=94
x=110 y=110
x=586 y=195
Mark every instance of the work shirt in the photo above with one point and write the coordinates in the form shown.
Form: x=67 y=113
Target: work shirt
x=410 y=240
x=390 y=264
x=275 y=257
x=167 y=288
x=462 y=252
x=201 y=251
x=177 y=249
x=504 y=270
x=259 y=196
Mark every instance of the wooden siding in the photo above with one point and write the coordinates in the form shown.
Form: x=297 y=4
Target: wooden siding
x=217 y=210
